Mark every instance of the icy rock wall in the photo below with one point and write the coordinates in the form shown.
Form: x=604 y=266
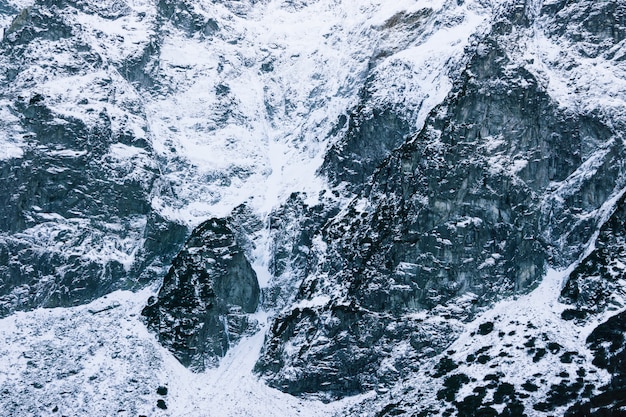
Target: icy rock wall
x=76 y=221
x=464 y=147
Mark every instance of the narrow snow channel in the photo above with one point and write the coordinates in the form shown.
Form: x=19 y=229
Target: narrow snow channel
x=233 y=390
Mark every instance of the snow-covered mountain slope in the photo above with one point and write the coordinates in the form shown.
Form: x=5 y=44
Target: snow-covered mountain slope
x=413 y=183
x=100 y=360
x=503 y=182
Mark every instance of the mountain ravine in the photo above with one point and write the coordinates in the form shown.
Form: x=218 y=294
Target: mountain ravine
x=314 y=208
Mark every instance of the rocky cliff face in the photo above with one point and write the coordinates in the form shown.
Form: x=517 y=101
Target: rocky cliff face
x=425 y=197
x=594 y=289
x=78 y=172
x=474 y=206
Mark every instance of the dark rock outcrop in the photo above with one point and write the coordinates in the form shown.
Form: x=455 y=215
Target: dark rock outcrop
x=428 y=218
x=594 y=26
x=183 y=16
x=371 y=135
x=608 y=344
x=594 y=288
x=72 y=206
x=203 y=305
x=76 y=221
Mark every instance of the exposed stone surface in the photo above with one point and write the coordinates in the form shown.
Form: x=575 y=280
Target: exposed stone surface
x=203 y=305
x=293 y=227
x=608 y=343
x=596 y=285
x=371 y=135
x=595 y=288
x=448 y=185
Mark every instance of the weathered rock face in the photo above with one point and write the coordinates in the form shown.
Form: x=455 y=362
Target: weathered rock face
x=595 y=27
x=77 y=220
x=183 y=16
x=494 y=188
x=608 y=344
x=595 y=286
x=371 y=135
x=292 y=228
x=203 y=306
x=467 y=147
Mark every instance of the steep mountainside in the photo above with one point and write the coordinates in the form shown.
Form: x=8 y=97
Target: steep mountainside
x=394 y=208
x=201 y=306
x=499 y=184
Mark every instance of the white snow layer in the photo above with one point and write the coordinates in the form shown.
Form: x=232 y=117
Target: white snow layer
x=251 y=109
x=244 y=114
x=100 y=360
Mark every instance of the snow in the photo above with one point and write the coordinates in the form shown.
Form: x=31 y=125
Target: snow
x=9 y=150
x=11 y=145
x=118 y=38
x=121 y=151
x=67 y=238
x=474 y=221
x=20 y=4
x=67 y=153
x=421 y=74
x=317 y=301
x=516 y=318
x=232 y=390
x=99 y=359
x=522 y=326
x=222 y=128
x=577 y=82
x=267 y=131
x=225 y=129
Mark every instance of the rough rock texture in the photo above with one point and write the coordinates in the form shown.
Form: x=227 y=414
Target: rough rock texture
x=202 y=307
x=608 y=343
x=76 y=222
x=466 y=150
x=292 y=228
x=596 y=288
x=596 y=285
x=371 y=135
x=474 y=207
